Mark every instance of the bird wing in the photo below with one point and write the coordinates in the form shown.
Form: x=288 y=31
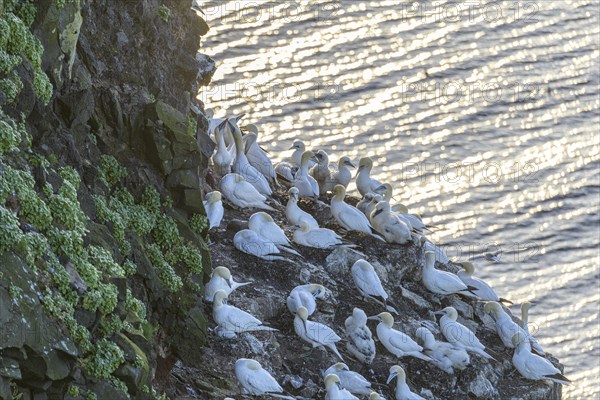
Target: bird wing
x=448 y=282
x=369 y=283
x=248 y=193
x=403 y=342
x=322 y=238
x=352 y=219
x=539 y=366
x=262 y=382
x=321 y=333
x=239 y=318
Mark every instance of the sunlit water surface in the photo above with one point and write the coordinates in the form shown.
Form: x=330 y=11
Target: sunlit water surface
x=486 y=123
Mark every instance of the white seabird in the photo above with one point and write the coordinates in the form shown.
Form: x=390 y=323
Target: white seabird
x=221 y=279
x=441 y=282
x=389 y=225
x=263 y=224
x=256 y=381
x=287 y=170
x=396 y=342
x=458 y=334
x=347 y=216
x=295 y=214
x=241 y=193
x=368 y=283
x=252 y=243
x=305 y=296
x=320 y=171
x=335 y=391
x=525 y=325
x=481 y=288
x=318 y=238
x=232 y=320
x=242 y=166
x=350 y=380
x=361 y=344
x=506 y=327
x=258 y=158
x=342 y=176
x=371 y=206
x=532 y=366
x=375 y=396
x=222 y=158
x=364 y=182
x=364 y=203
x=315 y=333
x=444 y=355
x=214 y=208
x=403 y=392
x=307 y=185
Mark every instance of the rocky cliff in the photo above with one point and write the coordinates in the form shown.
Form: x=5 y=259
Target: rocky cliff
x=103 y=242
x=102 y=237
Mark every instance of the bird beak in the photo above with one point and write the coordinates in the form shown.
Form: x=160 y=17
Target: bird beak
x=293 y=147
x=237 y=119
x=378 y=212
x=374 y=318
x=391 y=377
x=315 y=159
x=349 y=163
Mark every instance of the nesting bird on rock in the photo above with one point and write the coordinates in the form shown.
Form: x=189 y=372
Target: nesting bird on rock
x=315 y=333
x=213 y=205
x=256 y=381
x=361 y=344
x=221 y=279
x=232 y=320
x=242 y=194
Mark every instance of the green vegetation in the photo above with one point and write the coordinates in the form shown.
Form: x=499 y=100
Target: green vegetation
x=164 y=12
x=18 y=45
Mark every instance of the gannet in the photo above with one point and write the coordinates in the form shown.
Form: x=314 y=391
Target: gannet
x=532 y=366
x=335 y=391
x=315 y=333
x=361 y=344
x=252 y=243
x=306 y=184
x=444 y=355
x=396 y=342
x=222 y=158
x=263 y=224
x=389 y=225
x=258 y=158
x=342 y=176
x=525 y=325
x=506 y=327
x=320 y=171
x=221 y=279
x=403 y=392
x=255 y=380
x=412 y=220
x=242 y=194
x=350 y=380
x=371 y=206
x=441 y=282
x=232 y=320
x=214 y=208
x=481 y=288
x=440 y=254
x=287 y=170
x=319 y=238
x=305 y=296
x=295 y=214
x=458 y=334
x=347 y=216
x=364 y=202
x=364 y=182
x=242 y=166
x=369 y=284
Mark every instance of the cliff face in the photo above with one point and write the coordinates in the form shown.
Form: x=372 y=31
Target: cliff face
x=103 y=244
x=102 y=252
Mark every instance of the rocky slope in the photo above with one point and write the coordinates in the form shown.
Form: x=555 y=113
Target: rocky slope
x=298 y=368
x=103 y=244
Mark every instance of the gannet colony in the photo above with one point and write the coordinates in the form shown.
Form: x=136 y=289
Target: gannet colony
x=435 y=321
